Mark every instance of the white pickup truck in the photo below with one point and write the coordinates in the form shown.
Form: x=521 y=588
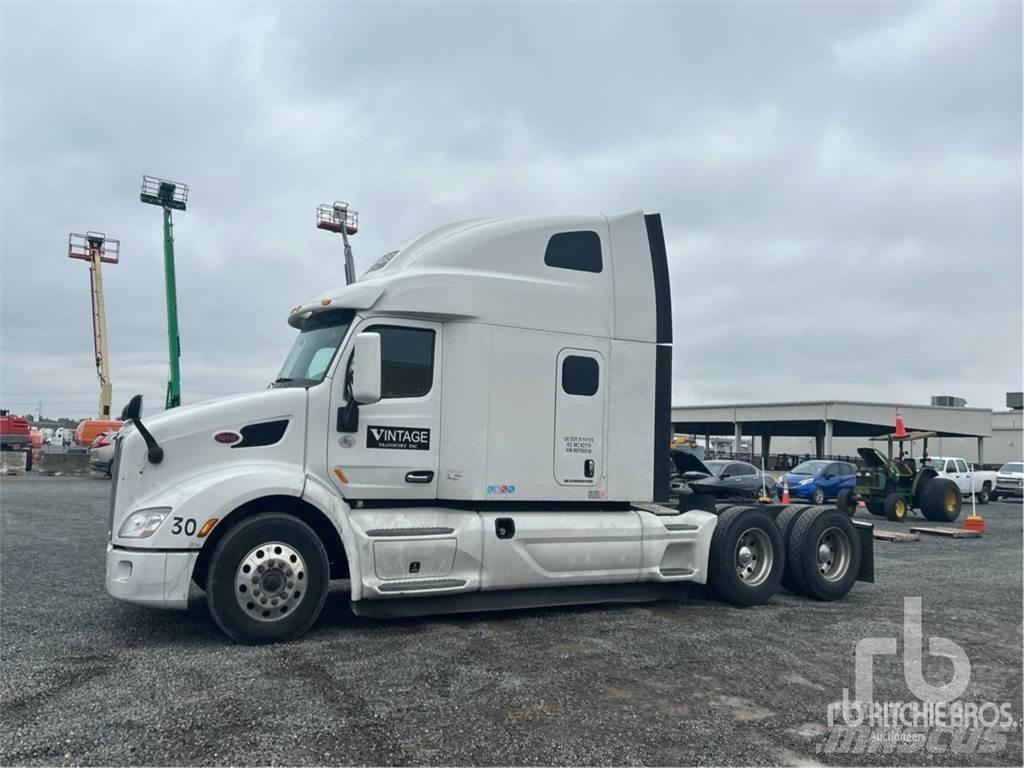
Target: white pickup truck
x=981 y=483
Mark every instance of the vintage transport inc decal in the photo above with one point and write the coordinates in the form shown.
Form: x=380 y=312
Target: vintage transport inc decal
x=400 y=438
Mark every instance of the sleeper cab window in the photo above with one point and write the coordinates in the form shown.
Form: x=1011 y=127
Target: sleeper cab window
x=580 y=251
x=580 y=376
x=406 y=360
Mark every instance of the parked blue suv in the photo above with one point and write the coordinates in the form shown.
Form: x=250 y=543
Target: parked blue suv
x=818 y=480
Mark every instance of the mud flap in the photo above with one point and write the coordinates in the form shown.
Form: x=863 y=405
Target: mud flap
x=865 y=531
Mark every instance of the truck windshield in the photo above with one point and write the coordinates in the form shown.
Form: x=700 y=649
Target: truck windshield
x=313 y=350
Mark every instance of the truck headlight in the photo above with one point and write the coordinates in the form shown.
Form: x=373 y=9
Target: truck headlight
x=142 y=524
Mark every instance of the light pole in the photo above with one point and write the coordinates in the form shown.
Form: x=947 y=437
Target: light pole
x=338 y=217
x=169 y=195
x=97 y=249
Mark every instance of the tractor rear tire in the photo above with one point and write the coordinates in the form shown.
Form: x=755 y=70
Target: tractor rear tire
x=824 y=554
x=940 y=500
x=846 y=503
x=896 y=508
x=747 y=557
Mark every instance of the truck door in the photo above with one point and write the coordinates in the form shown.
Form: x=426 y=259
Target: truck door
x=964 y=476
x=579 y=417
x=393 y=454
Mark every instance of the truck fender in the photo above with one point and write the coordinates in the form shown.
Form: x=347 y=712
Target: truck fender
x=333 y=506
x=213 y=494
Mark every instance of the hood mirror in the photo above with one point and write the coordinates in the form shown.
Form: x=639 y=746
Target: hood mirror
x=133 y=410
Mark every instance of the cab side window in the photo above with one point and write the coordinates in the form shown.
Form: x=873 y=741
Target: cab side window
x=406 y=360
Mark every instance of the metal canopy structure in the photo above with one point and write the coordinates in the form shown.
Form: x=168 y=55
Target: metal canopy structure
x=826 y=419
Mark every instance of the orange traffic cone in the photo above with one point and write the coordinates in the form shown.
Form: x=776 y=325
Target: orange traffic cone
x=974 y=521
x=901 y=430
x=785 y=492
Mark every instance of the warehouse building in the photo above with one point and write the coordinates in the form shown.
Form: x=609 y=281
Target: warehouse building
x=838 y=427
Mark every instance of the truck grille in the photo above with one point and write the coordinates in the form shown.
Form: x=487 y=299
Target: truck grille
x=114 y=465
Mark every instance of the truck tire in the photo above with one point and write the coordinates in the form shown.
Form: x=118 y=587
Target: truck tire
x=846 y=503
x=267 y=580
x=747 y=557
x=824 y=554
x=785 y=521
x=993 y=496
x=818 y=497
x=896 y=508
x=984 y=494
x=940 y=500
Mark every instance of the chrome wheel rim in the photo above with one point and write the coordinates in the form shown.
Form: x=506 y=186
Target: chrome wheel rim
x=833 y=551
x=819 y=496
x=754 y=557
x=270 y=582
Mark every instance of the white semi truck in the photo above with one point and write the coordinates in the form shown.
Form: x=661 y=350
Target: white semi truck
x=481 y=422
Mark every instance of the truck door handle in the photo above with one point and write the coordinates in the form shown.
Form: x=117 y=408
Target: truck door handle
x=419 y=476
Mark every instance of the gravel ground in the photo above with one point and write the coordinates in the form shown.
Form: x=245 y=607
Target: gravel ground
x=88 y=680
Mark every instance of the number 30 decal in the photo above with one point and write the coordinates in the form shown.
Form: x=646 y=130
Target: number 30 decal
x=181 y=524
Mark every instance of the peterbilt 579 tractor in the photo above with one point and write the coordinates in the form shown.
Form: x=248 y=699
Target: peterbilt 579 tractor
x=481 y=422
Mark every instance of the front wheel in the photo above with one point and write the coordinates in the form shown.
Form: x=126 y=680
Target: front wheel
x=747 y=557
x=846 y=503
x=983 y=496
x=818 y=497
x=895 y=508
x=268 y=579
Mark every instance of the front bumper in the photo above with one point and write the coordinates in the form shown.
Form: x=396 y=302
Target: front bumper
x=796 y=491
x=1011 y=488
x=157 y=579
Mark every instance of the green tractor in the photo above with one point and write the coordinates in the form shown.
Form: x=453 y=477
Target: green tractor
x=892 y=487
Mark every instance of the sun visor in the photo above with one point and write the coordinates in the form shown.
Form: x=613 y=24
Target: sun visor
x=355 y=296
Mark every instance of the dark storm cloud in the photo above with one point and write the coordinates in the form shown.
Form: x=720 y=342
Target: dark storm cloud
x=840 y=183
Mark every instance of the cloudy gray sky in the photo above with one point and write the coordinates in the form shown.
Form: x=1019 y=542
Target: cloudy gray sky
x=840 y=182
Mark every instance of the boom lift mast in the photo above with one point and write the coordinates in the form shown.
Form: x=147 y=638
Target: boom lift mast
x=338 y=217
x=97 y=248
x=169 y=195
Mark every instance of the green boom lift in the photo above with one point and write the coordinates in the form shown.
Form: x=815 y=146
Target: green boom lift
x=169 y=195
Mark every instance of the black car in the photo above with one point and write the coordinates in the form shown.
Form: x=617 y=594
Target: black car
x=720 y=478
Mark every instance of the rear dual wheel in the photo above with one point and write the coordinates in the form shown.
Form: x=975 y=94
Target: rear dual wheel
x=823 y=552
x=747 y=556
